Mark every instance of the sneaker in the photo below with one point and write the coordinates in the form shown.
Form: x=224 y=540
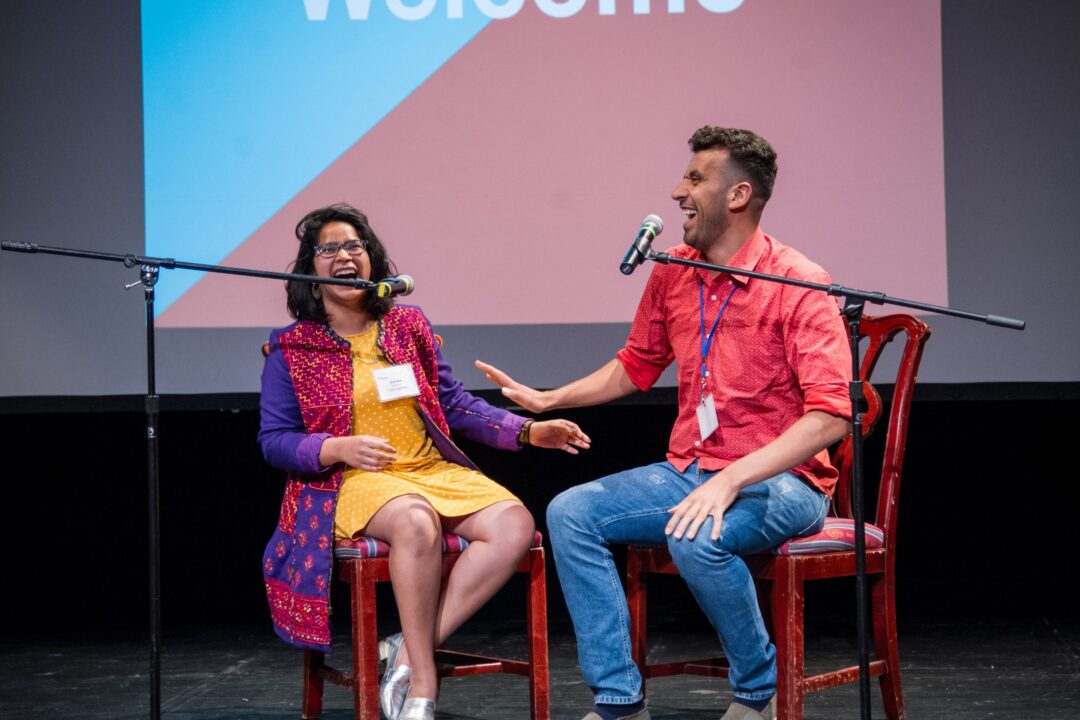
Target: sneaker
x=738 y=711
x=642 y=714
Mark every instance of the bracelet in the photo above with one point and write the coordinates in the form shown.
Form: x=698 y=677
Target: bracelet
x=523 y=434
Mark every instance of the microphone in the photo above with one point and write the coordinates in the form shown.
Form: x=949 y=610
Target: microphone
x=651 y=226
x=395 y=285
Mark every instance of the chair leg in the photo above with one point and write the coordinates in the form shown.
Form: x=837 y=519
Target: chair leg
x=787 y=620
x=886 y=646
x=637 y=603
x=764 y=590
x=536 y=619
x=365 y=645
x=313 y=685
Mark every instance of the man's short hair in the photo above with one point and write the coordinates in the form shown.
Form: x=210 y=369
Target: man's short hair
x=750 y=152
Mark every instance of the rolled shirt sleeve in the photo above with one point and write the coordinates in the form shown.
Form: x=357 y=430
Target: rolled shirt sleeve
x=817 y=348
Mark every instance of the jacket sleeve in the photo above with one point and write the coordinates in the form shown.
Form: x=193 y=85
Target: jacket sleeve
x=473 y=417
x=285 y=442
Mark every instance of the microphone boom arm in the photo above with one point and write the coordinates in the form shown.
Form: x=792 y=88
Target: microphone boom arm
x=131 y=260
x=836 y=290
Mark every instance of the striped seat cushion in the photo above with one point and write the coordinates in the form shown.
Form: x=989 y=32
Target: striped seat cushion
x=369 y=547
x=837 y=535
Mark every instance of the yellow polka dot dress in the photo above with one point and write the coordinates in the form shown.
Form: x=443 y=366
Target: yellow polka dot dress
x=419 y=468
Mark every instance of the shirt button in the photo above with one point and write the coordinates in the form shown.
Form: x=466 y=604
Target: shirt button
x=697 y=443
x=713 y=297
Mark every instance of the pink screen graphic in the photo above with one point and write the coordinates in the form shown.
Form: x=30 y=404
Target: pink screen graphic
x=510 y=184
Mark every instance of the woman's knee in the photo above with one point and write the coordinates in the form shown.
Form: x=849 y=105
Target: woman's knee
x=516 y=528
x=416 y=526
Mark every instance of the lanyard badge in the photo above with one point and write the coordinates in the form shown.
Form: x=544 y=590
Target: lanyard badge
x=706 y=411
x=396 y=382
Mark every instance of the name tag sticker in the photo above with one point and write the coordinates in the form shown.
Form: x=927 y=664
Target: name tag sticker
x=396 y=382
x=706 y=417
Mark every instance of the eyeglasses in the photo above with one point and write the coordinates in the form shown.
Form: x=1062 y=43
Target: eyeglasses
x=330 y=249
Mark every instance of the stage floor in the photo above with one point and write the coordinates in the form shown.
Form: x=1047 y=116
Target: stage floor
x=1024 y=668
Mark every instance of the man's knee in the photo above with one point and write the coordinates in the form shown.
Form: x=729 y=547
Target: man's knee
x=700 y=552
x=566 y=510
x=559 y=509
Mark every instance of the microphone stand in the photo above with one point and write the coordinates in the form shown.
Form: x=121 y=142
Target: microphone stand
x=149 y=268
x=854 y=300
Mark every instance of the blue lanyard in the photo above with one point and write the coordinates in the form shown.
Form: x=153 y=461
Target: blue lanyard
x=706 y=340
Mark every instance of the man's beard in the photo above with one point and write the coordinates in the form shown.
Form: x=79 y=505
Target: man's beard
x=705 y=232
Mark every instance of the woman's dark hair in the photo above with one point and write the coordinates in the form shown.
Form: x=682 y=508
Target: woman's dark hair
x=302 y=303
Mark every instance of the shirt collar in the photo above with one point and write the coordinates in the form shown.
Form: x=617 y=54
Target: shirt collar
x=746 y=258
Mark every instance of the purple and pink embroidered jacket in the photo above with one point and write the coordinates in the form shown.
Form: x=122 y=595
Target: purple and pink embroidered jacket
x=307 y=397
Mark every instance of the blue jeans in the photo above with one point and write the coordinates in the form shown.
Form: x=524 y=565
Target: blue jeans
x=632 y=507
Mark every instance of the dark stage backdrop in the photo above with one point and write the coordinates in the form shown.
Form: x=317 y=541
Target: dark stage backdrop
x=986 y=508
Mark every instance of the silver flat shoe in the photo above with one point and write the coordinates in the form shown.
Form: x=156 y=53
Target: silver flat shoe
x=417 y=709
x=387 y=647
x=395 y=681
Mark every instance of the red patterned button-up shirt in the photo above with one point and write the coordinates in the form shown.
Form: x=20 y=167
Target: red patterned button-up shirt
x=778 y=352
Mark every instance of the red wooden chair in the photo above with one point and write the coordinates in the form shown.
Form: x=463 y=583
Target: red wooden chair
x=829 y=554
x=363 y=563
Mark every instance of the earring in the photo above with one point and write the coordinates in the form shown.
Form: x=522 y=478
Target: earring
x=316 y=291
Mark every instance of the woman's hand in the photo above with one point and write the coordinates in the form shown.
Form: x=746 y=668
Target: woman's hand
x=533 y=400
x=364 y=452
x=558 y=435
